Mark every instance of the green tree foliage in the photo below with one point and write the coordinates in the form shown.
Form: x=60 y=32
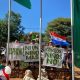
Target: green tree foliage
x=32 y=36
x=61 y=26
x=46 y=37
x=3 y=32
x=16 y=30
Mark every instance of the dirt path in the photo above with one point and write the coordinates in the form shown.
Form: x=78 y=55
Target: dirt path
x=15 y=79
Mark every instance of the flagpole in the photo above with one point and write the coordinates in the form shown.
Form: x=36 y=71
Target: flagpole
x=8 y=40
x=72 y=41
x=40 y=40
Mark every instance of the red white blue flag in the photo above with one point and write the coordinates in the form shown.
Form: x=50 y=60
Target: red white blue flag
x=58 y=39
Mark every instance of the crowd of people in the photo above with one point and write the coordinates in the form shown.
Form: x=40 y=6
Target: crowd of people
x=5 y=70
x=29 y=76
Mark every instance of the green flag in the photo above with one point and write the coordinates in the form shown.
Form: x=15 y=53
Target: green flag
x=76 y=31
x=25 y=3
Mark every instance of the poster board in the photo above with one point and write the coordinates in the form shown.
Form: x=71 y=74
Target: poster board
x=16 y=51
x=24 y=52
x=53 y=57
x=31 y=53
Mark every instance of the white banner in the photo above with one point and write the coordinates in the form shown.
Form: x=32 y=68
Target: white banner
x=53 y=57
x=31 y=53
x=25 y=52
x=16 y=51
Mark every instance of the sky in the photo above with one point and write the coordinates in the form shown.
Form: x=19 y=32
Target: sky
x=51 y=9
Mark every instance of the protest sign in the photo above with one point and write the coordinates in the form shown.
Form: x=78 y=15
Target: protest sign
x=24 y=52
x=53 y=57
x=15 y=51
x=31 y=52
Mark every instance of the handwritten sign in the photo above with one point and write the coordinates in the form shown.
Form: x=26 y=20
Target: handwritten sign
x=25 y=52
x=31 y=52
x=53 y=57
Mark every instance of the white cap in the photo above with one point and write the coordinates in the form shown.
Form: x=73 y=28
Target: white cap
x=7 y=70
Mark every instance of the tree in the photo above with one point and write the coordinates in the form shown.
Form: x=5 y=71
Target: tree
x=3 y=32
x=32 y=36
x=45 y=37
x=16 y=30
x=61 y=26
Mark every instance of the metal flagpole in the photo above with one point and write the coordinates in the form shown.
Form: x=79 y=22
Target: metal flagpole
x=8 y=40
x=40 y=40
x=72 y=40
